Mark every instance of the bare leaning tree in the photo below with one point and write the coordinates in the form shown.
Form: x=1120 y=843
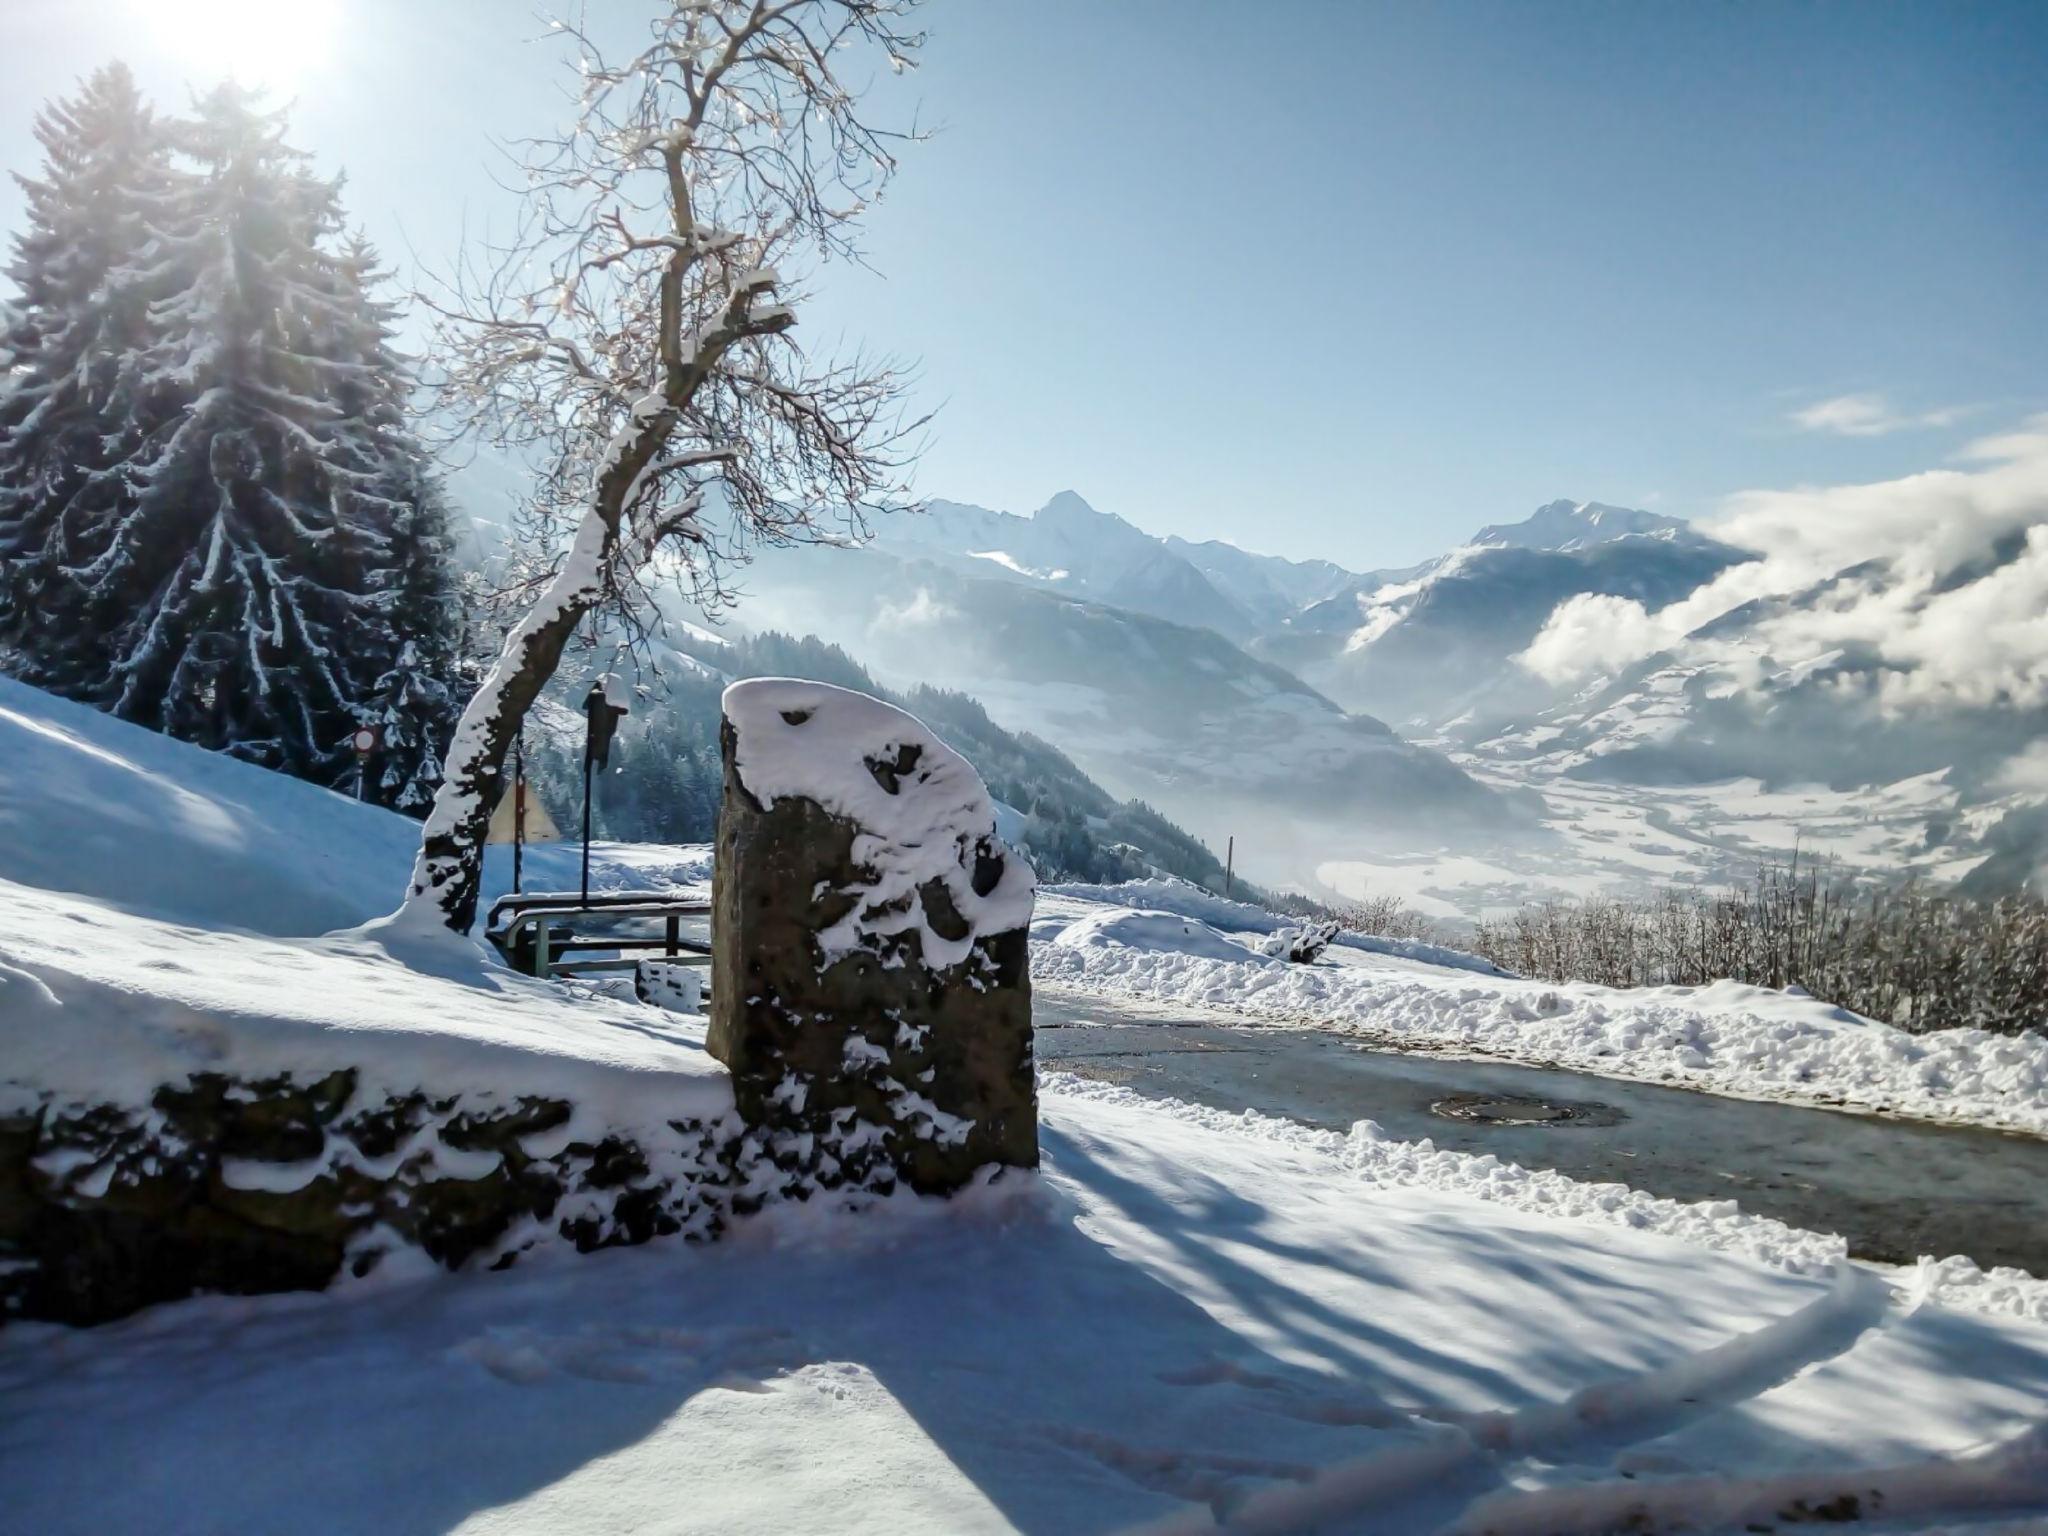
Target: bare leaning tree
x=632 y=343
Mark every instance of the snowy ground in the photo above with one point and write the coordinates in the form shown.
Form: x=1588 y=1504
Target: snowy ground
x=1192 y=948
x=1184 y=1320
x=1188 y=1321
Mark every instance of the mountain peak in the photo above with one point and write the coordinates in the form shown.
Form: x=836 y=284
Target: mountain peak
x=1573 y=524
x=1068 y=506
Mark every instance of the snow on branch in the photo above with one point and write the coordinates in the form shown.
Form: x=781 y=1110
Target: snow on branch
x=632 y=340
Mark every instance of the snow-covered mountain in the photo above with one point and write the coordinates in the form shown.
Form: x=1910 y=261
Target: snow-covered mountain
x=1067 y=546
x=1173 y=714
x=1438 y=641
x=1576 y=524
x=1269 y=588
x=1841 y=745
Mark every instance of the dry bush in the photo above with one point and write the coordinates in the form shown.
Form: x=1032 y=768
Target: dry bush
x=1914 y=957
x=1385 y=916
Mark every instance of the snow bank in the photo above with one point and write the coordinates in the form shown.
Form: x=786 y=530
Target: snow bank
x=102 y=1006
x=1724 y=1038
x=1168 y=893
x=1159 y=932
x=923 y=813
x=1368 y=1153
x=1721 y=1226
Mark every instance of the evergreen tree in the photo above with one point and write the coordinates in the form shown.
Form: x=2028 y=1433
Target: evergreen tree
x=239 y=583
x=72 y=408
x=414 y=674
x=213 y=517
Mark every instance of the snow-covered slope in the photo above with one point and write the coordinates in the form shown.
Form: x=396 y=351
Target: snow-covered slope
x=1442 y=644
x=1068 y=546
x=1267 y=587
x=1790 y=718
x=100 y=808
x=93 y=805
x=1188 y=1320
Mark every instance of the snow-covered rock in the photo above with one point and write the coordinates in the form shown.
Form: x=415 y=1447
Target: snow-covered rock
x=873 y=995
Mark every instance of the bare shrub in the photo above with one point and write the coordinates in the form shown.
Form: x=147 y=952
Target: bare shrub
x=1385 y=916
x=1918 y=958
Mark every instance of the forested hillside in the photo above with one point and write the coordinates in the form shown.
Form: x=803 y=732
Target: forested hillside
x=664 y=779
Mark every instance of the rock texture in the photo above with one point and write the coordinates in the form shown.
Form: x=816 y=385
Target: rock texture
x=245 y=1187
x=876 y=1019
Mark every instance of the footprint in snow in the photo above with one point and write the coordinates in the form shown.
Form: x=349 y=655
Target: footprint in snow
x=739 y=1360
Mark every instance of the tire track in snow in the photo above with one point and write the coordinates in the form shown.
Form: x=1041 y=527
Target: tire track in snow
x=2009 y=1476
x=1630 y=1409
x=1587 y=1427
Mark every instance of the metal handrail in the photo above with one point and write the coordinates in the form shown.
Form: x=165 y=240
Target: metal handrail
x=514 y=920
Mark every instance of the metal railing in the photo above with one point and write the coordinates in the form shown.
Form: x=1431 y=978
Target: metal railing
x=537 y=930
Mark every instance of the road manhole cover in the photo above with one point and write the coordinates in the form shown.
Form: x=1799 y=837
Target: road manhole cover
x=1511 y=1109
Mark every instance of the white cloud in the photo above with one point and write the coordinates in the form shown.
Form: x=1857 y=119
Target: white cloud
x=1871 y=416
x=921 y=612
x=1588 y=634
x=2027 y=773
x=1955 y=605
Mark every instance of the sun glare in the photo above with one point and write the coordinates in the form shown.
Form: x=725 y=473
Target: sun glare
x=273 y=43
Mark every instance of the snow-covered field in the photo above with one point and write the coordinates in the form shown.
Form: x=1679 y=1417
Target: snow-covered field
x=1601 y=838
x=1186 y=1321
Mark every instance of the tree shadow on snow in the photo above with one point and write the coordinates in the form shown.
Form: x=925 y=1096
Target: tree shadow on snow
x=1126 y=1342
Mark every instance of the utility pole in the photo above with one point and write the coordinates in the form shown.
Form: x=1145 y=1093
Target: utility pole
x=602 y=717
x=1229 y=863
x=518 y=803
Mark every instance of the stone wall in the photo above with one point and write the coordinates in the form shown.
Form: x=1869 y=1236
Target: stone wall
x=245 y=1187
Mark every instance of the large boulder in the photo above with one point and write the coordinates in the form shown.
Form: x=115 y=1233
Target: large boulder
x=872 y=993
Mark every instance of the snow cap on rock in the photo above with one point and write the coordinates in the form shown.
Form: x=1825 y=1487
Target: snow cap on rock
x=923 y=813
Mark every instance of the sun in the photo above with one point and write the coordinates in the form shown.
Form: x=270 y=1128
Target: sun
x=269 y=43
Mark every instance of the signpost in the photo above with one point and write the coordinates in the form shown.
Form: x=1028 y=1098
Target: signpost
x=602 y=717
x=518 y=803
x=521 y=817
x=365 y=741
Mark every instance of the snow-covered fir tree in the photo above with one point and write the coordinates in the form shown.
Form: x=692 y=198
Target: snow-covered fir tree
x=72 y=412
x=262 y=564
x=413 y=700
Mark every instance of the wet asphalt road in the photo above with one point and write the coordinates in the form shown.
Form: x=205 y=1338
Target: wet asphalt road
x=1895 y=1189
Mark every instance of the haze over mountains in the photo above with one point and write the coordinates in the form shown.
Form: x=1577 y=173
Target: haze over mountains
x=1164 y=710
x=1589 y=698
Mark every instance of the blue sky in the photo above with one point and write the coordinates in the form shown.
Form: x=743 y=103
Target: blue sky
x=1328 y=278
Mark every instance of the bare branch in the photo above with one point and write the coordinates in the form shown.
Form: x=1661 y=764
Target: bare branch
x=632 y=341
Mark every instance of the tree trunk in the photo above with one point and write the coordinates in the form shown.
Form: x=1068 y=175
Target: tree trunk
x=447 y=874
